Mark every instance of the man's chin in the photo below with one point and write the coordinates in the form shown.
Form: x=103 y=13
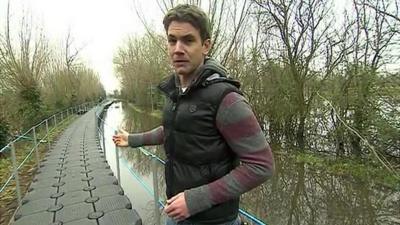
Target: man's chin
x=181 y=71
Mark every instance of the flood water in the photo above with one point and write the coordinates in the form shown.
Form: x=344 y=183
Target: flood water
x=296 y=195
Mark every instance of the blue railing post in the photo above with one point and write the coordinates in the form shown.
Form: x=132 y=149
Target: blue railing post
x=95 y=124
x=117 y=160
x=155 y=190
x=47 y=133
x=16 y=175
x=103 y=137
x=36 y=149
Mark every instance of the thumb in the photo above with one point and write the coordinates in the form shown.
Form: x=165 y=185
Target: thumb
x=122 y=131
x=169 y=201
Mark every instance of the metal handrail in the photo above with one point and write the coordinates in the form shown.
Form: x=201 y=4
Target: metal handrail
x=155 y=158
x=44 y=139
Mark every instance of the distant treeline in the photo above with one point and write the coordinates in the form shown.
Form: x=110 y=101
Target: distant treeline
x=317 y=79
x=37 y=80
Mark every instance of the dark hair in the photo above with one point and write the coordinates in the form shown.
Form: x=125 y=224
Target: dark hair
x=190 y=14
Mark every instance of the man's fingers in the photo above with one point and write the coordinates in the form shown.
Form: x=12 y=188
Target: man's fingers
x=176 y=207
x=172 y=212
x=176 y=215
x=168 y=209
x=116 y=138
x=179 y=218
x=169 y=201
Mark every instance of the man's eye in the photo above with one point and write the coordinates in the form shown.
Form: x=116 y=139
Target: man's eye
x=189 y=40
x=171 y=41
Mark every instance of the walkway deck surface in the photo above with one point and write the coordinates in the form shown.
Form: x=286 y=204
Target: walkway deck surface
x=75 y=185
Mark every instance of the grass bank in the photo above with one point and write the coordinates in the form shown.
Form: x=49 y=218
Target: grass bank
x=364 y=170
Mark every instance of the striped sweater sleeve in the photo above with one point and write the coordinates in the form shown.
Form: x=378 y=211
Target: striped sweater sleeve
x=152 y=137
x=238 y=125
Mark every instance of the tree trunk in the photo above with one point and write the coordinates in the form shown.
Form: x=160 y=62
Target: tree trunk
x=354 y=139
x=300 y=133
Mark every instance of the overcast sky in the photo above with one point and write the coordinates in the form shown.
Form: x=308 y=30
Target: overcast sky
x=99 y=26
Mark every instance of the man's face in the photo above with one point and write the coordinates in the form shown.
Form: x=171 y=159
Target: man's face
x=185 y=47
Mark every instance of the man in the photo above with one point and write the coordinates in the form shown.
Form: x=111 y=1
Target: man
x=214 y=145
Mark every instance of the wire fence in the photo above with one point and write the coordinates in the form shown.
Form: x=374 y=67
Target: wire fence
x=29 y=143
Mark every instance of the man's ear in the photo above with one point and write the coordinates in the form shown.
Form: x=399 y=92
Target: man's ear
x=206 y=46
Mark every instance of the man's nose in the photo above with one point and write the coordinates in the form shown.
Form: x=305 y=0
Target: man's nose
x=179 y=47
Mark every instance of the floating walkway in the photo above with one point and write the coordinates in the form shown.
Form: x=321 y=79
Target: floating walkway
x=75 y=185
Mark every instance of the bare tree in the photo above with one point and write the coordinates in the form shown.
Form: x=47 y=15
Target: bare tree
x=303 y=28
x=140 y=66
x=23 y=65
x=376 y=30
x=393 y=15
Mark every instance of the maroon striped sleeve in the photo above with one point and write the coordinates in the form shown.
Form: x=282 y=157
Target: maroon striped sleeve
x=239 y=126
x=152 y=137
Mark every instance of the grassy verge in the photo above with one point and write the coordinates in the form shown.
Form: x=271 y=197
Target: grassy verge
x=8 y=197
x=366 y=171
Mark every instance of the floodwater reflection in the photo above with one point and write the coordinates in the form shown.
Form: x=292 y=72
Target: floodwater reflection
x=296 y=195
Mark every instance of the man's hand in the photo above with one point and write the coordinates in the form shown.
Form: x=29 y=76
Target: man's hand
x=121 y=138
x=176 y=207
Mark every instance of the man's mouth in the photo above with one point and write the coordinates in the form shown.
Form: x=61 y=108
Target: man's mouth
x=180 y=61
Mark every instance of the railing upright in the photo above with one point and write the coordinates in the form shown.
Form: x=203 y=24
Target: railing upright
x=47 y=134
x=36 y=148
x=104 y=142
x=15 y=172
x=155 y=192
x=116 y=159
